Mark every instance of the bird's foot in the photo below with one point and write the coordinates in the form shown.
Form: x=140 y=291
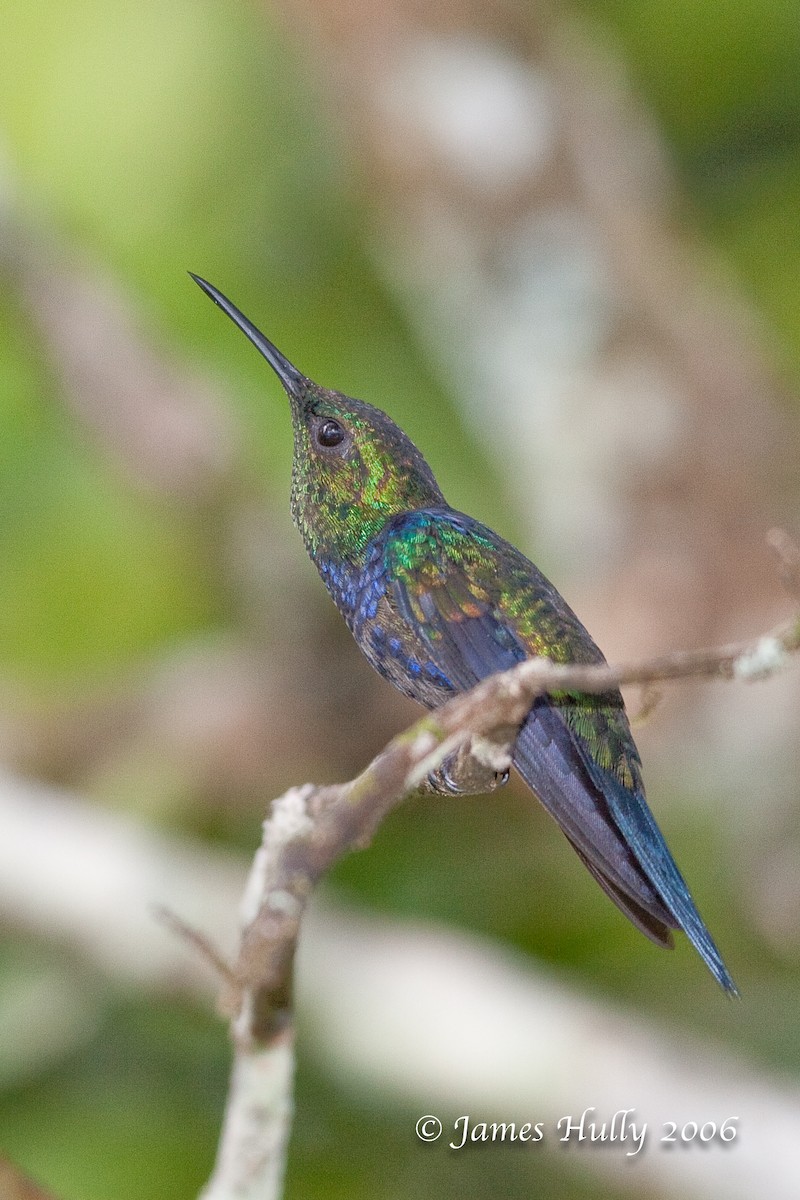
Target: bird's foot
x=457 y=776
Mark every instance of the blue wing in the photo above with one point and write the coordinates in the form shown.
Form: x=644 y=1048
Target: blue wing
x=470 y=614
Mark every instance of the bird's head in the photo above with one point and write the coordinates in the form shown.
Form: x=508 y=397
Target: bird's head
x=353 y=467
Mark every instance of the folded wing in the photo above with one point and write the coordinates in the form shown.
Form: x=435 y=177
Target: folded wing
x=480 y=606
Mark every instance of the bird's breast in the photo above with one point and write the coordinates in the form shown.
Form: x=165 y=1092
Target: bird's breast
x=398 y=652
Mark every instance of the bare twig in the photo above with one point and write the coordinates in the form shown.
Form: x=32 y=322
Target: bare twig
x=379 y=994
x=648 y=703
x=196 y=939
x=310 y=828
x=252 y=1151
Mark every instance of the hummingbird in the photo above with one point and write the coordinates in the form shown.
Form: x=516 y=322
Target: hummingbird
x=437 y=601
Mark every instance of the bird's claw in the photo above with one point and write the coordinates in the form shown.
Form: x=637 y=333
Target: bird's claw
x=446 y=780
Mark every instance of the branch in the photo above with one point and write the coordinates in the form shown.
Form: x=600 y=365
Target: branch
x=378 y=997
x=311 y=827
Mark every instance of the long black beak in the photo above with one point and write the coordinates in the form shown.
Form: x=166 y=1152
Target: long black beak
x=292 y=379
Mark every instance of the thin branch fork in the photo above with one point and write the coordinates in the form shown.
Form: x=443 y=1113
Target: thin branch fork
x=310 y=828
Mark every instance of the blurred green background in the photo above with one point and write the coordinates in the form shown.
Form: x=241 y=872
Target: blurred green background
x=161 y=137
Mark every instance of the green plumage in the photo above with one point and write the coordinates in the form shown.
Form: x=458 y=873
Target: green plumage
x=437 y=601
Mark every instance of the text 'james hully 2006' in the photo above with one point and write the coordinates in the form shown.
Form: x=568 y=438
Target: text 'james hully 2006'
x=622 y=1128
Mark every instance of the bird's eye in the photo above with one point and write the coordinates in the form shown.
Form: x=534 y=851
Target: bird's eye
x=330 y=433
